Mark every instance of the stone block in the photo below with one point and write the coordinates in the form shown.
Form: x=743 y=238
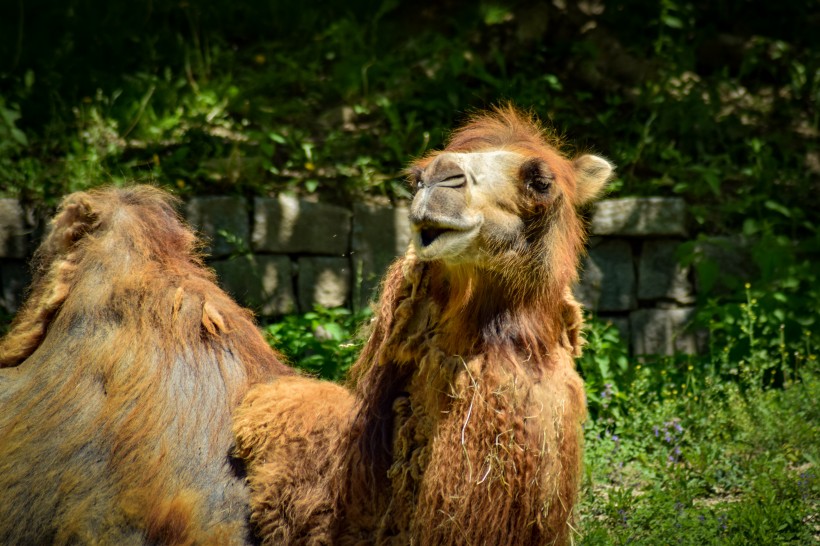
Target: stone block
x=263 y=283
x=660 y=274
x=13 y=230
x=14 y=279
x=381 y=233
x=217 y=216
x=323 y=281
x=287 y=225
x=663 y=331
x=639 y=216
x=608 y=277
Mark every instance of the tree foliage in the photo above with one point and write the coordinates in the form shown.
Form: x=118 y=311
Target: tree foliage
x=715 y=101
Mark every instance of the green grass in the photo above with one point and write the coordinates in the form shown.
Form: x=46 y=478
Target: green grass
x=713 y=464
x=714 y=449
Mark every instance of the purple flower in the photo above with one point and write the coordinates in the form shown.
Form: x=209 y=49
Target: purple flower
x=606 y=395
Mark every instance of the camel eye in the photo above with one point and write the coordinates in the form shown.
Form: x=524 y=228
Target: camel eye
x=536 y=176
x=540 y=184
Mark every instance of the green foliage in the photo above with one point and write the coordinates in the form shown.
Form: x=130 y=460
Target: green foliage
x=254 y=97
x=604 y=366
x=324 y=342
x=729 y=468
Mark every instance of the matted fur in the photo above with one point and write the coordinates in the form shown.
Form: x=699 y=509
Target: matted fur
x=120 y=374
x=477 y=445
x=465 y=426
x=288 y=431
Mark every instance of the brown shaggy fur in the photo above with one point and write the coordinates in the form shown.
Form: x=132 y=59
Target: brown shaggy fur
x=118 y=380
x=466 y=410
x=288 y=430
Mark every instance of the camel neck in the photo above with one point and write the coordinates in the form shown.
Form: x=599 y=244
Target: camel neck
x=483 y=309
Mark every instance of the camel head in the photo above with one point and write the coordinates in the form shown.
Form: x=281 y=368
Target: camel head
x=501 y=197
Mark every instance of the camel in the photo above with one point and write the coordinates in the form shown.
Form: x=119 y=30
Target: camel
x=462 y=422
x=118 y=380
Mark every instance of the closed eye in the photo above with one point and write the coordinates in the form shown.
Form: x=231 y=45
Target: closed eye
x=540 y=184
x=536 y=176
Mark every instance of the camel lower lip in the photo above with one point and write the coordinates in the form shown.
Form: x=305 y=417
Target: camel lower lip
x=443 y=241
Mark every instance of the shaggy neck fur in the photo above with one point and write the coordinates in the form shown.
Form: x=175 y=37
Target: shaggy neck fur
x=452 y=348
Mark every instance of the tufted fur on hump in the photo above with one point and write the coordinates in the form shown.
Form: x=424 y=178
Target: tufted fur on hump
x=288 y=432
x=121 y=372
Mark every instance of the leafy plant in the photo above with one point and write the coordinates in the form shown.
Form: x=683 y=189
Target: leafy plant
x=324 y=342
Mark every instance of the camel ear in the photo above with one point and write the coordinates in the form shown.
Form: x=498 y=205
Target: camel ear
x=591 y=175
x=75 y=218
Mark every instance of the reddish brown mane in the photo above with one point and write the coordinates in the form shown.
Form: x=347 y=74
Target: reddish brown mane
x=538 y=286
x=502 y=127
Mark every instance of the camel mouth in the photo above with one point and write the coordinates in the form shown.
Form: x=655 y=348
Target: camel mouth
x=435 y=240
x=429 y=234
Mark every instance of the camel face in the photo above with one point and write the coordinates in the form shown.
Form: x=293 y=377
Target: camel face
x=471 y=206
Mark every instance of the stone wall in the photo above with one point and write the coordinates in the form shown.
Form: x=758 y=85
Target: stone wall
x=632 y=276
x=282 y=255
